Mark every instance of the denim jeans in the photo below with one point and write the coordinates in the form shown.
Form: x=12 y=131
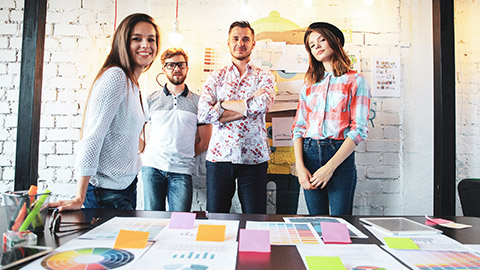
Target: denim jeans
x=159 y=185
x=252 y=187
x=110 y=198
x=340 y=189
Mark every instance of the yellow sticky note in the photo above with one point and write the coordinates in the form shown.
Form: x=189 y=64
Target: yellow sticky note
x=211 y=232
x=131 y=239
x=324 y=263
x=400 y=243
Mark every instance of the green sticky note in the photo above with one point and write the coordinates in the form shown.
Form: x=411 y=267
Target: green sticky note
x=400 y=243
x=326 y=263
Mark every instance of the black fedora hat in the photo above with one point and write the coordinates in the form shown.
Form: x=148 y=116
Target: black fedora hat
x=337 y=32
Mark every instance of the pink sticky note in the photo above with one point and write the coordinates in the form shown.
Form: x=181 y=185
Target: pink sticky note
x=434 y=221
x=335 y=233
x=182 y=220
x=254 y=241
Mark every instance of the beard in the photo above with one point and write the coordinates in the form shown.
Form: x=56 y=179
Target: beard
x=241 y=57
x=176 y=79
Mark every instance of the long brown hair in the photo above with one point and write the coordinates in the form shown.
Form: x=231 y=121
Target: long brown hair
x=120 y=55
x=340 y=60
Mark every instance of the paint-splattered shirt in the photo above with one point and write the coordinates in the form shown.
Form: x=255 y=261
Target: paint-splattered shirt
x=335 y=107
x=242 y=141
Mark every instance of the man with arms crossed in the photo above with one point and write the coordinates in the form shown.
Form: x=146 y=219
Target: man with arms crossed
x=235 y=99
x=175 y=140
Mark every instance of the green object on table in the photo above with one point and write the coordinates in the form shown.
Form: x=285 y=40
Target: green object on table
x=400 y=243
x=327 y=263
x=31 y=216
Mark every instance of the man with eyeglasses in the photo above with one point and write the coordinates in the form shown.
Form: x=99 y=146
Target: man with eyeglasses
x=236 y=99
x=175 y=138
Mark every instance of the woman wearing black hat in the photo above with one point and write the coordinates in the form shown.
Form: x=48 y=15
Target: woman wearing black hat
x=331 y=120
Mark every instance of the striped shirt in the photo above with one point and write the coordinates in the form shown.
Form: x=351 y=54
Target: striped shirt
x=335 y=107
x=242 y=141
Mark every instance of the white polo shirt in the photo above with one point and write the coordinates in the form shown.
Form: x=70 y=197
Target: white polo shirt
x=173 y=121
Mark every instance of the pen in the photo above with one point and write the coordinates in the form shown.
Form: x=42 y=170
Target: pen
x=35 y=210
x=18 y=215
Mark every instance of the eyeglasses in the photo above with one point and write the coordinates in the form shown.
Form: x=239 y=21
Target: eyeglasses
x=56 y=222
x=172 y=65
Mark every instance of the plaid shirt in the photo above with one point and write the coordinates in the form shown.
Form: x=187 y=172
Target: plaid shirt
x=335 y=107
x=242 y=141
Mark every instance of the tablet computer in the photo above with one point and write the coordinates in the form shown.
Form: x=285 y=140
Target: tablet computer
x=21 y=254
x=400 y=226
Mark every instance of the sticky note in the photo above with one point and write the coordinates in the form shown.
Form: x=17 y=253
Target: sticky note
x=131 y=239
x=400 y=243
x=335 y=233
x=182 y=220
x=324 y=263
x=211 y=232
x=254 y=241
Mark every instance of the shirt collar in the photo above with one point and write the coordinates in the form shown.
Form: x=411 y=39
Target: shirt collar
x=167 y=93
x=248 y=67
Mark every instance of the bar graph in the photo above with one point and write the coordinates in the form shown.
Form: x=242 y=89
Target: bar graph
x=194 y=255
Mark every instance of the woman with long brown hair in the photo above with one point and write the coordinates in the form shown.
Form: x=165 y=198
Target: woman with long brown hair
x=331 y=121
x=107 y=156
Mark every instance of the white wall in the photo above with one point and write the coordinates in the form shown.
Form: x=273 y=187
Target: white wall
x=395 y=165
x=467 y=64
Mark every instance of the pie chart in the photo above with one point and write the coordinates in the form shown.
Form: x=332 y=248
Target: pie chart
x=88 y=258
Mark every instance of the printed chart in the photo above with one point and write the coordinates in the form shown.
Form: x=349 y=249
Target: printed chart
x=438 y=260
x=111 y=228
x=170 y=255
x=88 y=258
x=315 y=221
x=282 y=233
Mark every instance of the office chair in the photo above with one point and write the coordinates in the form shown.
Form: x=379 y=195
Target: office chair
x=469 y=191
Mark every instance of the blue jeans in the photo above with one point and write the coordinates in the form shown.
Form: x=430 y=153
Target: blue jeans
x=340 y=189
x=110 y=198
x=158 y=185
x=252 y=187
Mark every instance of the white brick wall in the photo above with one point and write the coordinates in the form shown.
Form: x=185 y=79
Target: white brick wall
x=78 y=33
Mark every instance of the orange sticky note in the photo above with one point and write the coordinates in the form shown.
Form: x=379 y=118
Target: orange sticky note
x=131 y=239
x=211 y=232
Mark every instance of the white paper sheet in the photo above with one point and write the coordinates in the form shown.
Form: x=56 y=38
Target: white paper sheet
x=183 y=235
x=424 y=242
x=190 y=255
x=315 y=221
x=353 y=256
x=437 y=259
x=109 y=230
x=91 y=253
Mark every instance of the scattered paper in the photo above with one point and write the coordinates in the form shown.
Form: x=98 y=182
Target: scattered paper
x=190 y=255
x=455 y=225
x=315 y=221
x=357 y=256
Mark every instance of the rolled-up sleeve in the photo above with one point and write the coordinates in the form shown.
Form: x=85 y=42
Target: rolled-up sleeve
x=261 y=101
x=209 y=110
x=359 y=110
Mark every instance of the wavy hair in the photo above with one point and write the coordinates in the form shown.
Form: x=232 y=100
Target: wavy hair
x=340 y=60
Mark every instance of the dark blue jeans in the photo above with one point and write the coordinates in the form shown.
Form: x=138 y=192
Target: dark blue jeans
x=252 y=187
x=340 y=189
x=159 y=185
x=110 y=198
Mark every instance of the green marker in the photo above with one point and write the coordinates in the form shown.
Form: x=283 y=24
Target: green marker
x=28 y=220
